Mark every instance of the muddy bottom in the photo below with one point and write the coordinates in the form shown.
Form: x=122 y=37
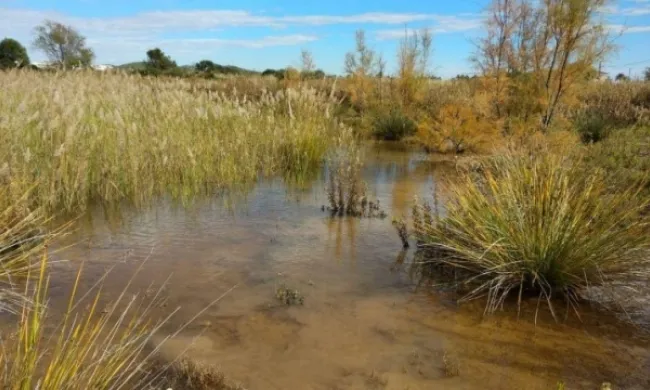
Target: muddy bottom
x=363 y=323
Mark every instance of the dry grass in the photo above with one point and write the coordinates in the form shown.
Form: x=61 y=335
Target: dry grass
x=538 y=225
x=83 y=137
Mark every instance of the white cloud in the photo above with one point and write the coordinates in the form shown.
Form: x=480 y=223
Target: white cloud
x=623 y=29
x=117 y=38
x=445 y=25
x=209 y=43
x=640 y=10
x=209 y=19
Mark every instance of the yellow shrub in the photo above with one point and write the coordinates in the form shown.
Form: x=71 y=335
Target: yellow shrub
x=458 y=128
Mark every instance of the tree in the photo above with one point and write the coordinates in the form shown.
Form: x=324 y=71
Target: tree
x=12 y=54
x=157 y=60
x=621 y=77
x=272 y=72
x=495 y=48
x=413 y=64
x=63 y=45
x=541 y=48
x=362 y=61
x=646 y=74
x=360 y=65
x=205 y=66
x=307 y=62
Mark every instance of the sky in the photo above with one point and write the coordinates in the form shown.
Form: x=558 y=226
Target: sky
x=259 y=34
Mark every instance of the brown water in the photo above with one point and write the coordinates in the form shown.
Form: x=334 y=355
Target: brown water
x=363 y=323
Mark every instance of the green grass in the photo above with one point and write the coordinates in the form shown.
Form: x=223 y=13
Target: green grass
x=541 y=225
x=624 y=157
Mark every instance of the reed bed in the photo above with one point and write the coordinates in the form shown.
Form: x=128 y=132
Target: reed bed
x=87 y=137
x=537 y=225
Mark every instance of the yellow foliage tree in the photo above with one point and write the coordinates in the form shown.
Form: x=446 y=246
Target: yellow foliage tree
x=457 y=128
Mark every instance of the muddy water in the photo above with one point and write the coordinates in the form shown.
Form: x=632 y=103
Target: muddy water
x=364 y=324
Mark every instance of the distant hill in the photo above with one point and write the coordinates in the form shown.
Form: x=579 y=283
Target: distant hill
x=232 y=69
x=215 y=68
x=139 y=65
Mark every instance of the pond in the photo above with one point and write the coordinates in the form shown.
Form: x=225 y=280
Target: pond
x=366 y=322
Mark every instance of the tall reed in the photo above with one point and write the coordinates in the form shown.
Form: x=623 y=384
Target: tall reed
x=88 y=137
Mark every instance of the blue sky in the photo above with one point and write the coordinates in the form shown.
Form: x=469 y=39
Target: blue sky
x=270 y=34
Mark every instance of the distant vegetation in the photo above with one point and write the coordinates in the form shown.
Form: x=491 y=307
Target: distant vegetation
x=64 y=46
x=12 y=54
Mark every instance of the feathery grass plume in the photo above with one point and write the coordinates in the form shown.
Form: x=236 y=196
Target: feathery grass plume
x=539 y=225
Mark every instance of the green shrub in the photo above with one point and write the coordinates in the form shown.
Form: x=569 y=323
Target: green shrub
x=12 y=54
x=592 y=128
x=624 y=158
x=394 y=126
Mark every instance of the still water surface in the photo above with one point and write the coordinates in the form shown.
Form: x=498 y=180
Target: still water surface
x=364 y=323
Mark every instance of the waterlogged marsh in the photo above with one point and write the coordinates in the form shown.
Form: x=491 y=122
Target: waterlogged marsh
x=363 y=323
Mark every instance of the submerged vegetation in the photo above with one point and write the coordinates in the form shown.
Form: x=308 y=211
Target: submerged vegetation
x=288 y=296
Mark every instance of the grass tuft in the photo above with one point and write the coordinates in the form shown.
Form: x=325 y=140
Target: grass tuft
x=538 y=225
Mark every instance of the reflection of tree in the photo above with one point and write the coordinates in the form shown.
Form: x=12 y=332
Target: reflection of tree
x=402 y=194
x=340 y=228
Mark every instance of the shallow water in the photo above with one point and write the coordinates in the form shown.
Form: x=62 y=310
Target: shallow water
x=364 y=324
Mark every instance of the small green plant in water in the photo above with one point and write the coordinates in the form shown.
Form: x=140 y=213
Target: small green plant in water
x=289 y=296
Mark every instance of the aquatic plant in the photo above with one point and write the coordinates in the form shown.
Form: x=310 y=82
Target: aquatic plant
x=450 y=363
x=540 y=225
x=346 y=191
x=289 y=296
